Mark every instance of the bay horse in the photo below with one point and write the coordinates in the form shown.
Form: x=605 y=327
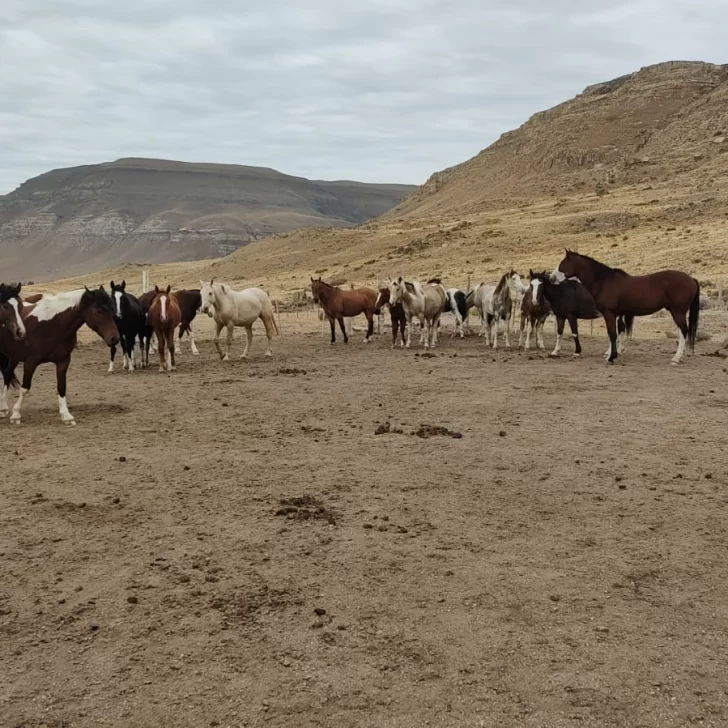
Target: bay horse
x=396 y=312
x=52 y=326
x=426 y=302
x=164 y=317
x=617 y=293
x=230 y=308
x=146 y=334
x=190 y=301
x=535 y=309
x=338 y=303
x=570 y=301
x=131 y=322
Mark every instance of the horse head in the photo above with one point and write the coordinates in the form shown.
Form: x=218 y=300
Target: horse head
x=569 y=266
x=207 y=297
x=316 y=285
x=382 y=300
x=97 y=308
x=119 y=299
x=396 y=291
x=11 y=303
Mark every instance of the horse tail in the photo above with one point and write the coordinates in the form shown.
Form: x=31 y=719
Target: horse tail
x=693 y=317
x=628 y=324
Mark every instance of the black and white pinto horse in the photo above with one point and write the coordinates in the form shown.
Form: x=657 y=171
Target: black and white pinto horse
x=535 y=309
x=130 y=321
x=457 y=305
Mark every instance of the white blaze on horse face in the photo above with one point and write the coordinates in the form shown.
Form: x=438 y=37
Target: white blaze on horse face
x=50 y=306
x=18 y=318
x=535 y=283
x=163 y=303
x=117 y=303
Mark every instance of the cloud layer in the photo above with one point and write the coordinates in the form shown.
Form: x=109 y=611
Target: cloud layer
x=382 y=90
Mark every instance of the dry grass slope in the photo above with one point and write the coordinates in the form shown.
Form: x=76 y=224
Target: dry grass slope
x=632 y=171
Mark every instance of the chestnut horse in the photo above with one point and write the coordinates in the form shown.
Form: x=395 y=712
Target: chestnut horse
x=617 y=293
x=164 y=317
x=337 y=303
x=51 y=327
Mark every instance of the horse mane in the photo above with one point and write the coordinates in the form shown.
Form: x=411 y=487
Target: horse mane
x=435 y=280
x=602 y=269
x=501 y=283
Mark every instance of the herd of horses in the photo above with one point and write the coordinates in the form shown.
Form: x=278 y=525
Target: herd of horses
x=43 y=328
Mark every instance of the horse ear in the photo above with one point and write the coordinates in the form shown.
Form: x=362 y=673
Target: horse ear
x=156 y=289
x=123 y=285
x=169 y=288
x=112 y=285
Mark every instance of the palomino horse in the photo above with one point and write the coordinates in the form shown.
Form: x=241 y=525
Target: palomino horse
x=337 y=304
x=426 y=302
x=535 y=309
x=131 y=322
x=230 y=308
x=164 y=317
x=616 y=293
x=396 y=312
x=51 y=327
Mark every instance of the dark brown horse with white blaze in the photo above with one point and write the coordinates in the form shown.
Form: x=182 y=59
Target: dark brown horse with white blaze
x=617 y=293
x=164 y=317
x=337 y=304
x=51 y=328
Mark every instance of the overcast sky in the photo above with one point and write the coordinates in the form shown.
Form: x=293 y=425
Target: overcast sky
x=373 y=90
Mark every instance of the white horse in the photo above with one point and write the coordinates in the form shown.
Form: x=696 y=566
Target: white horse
x=230 y=308
x=423 y=301
x=481 y=297
x=518 y=289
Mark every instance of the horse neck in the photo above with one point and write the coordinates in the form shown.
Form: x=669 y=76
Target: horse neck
x=223 y=302
x=326 y=295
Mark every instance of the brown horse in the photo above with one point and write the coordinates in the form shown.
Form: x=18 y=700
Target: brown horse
x=616 y=293
x=399 y=319
x=164 y=317
x=337 y=303
x=51 y=327
x=535 y=309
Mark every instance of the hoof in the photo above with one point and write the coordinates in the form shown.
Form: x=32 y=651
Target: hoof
x=269 y=353
x=226 y=358
x=69 y=422
x=15 y=422
x=576 y=356
x=195 y=352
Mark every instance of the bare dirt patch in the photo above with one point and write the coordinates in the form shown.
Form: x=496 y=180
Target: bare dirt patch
x=563 y=564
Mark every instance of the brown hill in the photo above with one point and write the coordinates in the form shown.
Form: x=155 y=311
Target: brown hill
x=144 y=210
x=632 y=171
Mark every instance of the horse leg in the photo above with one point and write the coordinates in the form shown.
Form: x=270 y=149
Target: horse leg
x=370 y=325
x=248 y=341
x=342 y=325
x=160 y=351
x=682 y=334
x=4 y=401
x=524 y=321
x=574 y=325
x=268 y=323
x=332 y=323
x=421 y=319
x=178 y=343
x=112 y=354
x=611 y=321
x=395 y=329
x=195 y=350
x=559 y=333
x=529 y=332
x=216 y=340
x=61 y=372
x=29 y=368
x=128 y=340
x=228 y=341
x=507 y=334
x=171 y=363
x=539 y=333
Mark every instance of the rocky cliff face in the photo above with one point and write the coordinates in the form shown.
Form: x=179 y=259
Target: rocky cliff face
x=663 y=120
x=139 y=210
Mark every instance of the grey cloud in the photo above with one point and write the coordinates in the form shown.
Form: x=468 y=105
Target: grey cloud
x=387 y=90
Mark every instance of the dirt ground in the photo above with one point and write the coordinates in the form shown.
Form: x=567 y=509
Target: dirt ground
x=234 y=545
